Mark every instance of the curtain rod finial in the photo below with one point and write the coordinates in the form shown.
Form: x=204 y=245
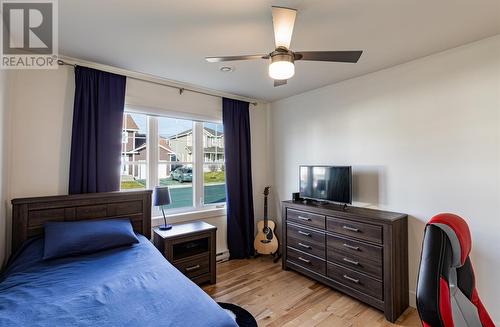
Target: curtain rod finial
x=61 y=62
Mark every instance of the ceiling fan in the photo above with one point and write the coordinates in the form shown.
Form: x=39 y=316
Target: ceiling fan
x=281 y=66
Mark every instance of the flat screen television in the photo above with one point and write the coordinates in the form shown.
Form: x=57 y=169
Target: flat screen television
x=326 y=183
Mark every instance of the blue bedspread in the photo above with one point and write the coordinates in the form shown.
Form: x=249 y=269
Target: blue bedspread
x=126 y=286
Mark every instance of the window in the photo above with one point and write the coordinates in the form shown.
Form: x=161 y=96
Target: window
x=213 y=164
x=175 y=160
x=134 y=152
x=185 y=155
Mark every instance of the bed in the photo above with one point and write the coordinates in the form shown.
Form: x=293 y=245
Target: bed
x=125 y=286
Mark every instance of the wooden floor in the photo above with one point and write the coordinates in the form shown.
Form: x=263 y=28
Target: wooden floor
x=286 y=298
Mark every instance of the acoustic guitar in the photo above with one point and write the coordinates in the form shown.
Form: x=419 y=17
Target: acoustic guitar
x=266 y=241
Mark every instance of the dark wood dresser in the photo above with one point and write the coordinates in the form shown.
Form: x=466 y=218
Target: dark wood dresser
x=190 y=247
x=361 y=252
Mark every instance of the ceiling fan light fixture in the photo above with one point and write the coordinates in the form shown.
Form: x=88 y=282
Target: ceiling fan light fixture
x=281 y=70
x=281 y=66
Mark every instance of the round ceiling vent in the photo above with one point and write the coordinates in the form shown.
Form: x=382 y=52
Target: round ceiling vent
x=226 y=69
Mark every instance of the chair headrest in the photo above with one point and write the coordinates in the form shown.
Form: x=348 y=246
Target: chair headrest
x=458 y=233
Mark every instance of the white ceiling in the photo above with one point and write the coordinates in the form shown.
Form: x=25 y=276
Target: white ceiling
x=171 y=38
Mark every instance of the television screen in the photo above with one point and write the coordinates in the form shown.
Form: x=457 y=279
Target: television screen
x=327 y=183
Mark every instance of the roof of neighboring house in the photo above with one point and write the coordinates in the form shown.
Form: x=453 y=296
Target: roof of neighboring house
x=140 y=144
x=164 y=144
x=189 y=131
x=129 y=123
x=213 y=132
x=210 y=149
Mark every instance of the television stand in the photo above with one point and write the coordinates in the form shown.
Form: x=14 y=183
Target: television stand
x=321 y=203
x=315 y=202
x=338 y=206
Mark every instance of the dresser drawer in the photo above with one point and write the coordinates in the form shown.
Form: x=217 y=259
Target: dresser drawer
x=306 y=261
x=306 y=240
x=355 y=280
x=309 y=219
x=354 y=248
x=360 y=264
x=372 y=233
x=194 y=266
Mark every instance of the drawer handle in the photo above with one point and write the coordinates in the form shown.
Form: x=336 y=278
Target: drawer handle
x=351 y=261
x=304 y=245
x=349 y=228
x=352 y=247
x=304 y=260
x=304 y=218
x=193 y=268
x=354 y=280
x=304 y=233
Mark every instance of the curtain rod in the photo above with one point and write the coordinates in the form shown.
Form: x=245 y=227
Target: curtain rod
x=61 y=62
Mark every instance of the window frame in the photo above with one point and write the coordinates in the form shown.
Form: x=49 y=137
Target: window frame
x=153 y=161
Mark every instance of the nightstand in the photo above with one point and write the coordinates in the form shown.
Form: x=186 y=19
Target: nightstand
x=190 y=247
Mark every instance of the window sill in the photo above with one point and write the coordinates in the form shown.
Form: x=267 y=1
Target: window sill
x=189 y=216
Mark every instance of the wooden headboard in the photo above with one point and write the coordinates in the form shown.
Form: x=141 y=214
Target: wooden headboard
x=29 y=214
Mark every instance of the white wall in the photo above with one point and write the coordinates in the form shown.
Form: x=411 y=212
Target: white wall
x=40 y=118
x=161 y=100
x=39 y=150
x=422 y=137
x=40 y=137
x=260 y=158
x=4 y=87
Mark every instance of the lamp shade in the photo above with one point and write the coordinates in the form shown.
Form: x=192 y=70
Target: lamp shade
x=161 y=196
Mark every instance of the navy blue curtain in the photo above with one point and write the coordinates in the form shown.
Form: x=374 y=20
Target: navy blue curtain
x=97 y=131
x=240 y=219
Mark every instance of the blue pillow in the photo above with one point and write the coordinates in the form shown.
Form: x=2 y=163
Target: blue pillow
x=83 y=237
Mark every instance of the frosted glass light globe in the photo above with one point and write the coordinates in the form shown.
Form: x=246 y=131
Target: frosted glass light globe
x=281 y=70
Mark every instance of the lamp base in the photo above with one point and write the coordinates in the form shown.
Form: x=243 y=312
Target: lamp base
x=165 y=227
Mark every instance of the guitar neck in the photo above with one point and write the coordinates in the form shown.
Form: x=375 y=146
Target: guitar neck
x=265 y=211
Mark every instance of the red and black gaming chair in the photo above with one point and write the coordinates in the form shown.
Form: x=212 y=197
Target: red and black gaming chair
x=446 y=292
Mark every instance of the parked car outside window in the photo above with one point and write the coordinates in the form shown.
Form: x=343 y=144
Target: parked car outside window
x=182 y=174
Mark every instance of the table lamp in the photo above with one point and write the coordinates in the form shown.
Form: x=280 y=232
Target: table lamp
x=161 y=197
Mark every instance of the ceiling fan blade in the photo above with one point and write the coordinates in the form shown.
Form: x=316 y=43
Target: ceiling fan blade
x=337 y=56
x=283 y=21
x=279 y=82
x=232 y=58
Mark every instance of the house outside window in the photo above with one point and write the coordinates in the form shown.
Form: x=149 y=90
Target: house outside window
x=185 y=155
x=134 y=152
